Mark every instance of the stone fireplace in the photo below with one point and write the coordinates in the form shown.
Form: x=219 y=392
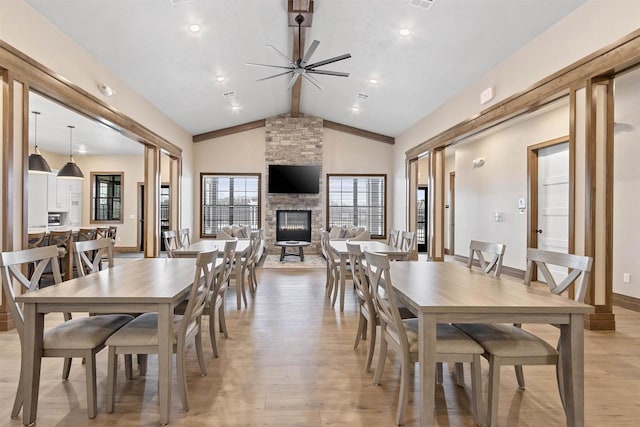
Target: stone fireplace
x=293 y=225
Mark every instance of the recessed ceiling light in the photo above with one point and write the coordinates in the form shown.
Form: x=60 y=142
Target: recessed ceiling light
x=373 y=81
x=355 y=109
x=194 y=28
x=235 y=107
x=220 y=79
x=405 y=32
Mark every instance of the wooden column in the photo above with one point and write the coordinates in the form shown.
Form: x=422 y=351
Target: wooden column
x=412 y=199
x=175 y=183
x=151 y=202
x=436 y=205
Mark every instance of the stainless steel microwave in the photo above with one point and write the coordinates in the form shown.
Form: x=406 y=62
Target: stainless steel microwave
x=54 y=219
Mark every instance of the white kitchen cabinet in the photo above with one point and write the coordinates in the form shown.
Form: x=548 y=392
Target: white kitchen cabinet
x=75 y=210
x=37 y=199
x=57 y=194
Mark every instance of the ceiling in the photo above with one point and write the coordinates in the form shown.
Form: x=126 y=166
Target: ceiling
x=148 y=45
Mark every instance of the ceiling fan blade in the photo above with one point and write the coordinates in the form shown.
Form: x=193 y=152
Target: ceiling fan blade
x=253 y=64
x=275 y=75
x=312 y=80
x=285 y=57
x=293 y=80
x=309 y=53
x=329 y=73
x=328 y=61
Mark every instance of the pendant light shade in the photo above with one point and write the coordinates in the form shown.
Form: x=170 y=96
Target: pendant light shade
x=70 y=170
x=37 y=163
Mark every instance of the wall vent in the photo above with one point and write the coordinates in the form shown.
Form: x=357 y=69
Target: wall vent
x=422 y=4
x=230 y=94
x=362 y=95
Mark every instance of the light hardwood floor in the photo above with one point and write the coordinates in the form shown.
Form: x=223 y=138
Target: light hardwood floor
x=289 y=361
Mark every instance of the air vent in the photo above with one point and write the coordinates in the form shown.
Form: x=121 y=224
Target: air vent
x=230 y=94
x=362 y=95
x=422 y=4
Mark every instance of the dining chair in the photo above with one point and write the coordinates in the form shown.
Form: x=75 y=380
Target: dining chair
x=82 y=337
x=509 y=344
x=215 y=303
x=141 y=334
x=407 y=241
x=62 y=240
x=86 y=234
x=326 y=253
x=184 y=237
x=394 y=238
x=249 y=264
x=102 y=232
x=451 y=344
x=171 y=242
x=477 y=250
x=89 y=255
x=36 y=240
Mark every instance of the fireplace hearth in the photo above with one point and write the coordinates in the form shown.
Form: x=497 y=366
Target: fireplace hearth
x=293 y=225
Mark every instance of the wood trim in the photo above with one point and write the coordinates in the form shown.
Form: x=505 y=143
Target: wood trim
x=509 y=271
x=615 y=57
x=452 y=212
x=572 y=172
x=91 y=197
x=359 y=175
x=296 y=90
x=600 y=321
x=26 y=107
x=359 y=132
x=203 y=174
x=7 y=160
x=440 y=159
x=52 y=85
x=6 y=322
x=626 y=301
x=608 y=218
x=126 y=249
x=229 y=131
x=590 y=184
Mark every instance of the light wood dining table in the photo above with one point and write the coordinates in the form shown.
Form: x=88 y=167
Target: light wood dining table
x=144 y=285
x=441 y=292
x=339 y=247
x=242 y=249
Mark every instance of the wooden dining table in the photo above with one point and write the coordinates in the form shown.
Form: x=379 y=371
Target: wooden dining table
x=242 y=250
x=144 y=285
x=339 y=247
x=441 y=292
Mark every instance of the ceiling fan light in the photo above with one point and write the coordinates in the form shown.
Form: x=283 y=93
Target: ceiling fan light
x=70 y=171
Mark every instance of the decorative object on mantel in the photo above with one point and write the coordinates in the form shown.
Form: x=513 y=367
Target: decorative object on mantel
x=37 y=163
x=70 y=170
x=300 y=67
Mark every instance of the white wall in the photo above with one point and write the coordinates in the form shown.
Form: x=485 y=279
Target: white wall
x=502 y=180
x=626 y=190
x=244 y=152
x=572 y=38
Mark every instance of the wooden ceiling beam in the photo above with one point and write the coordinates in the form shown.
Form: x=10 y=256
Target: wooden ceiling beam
x=229 y=131
x=295 y=8
x=359 y=132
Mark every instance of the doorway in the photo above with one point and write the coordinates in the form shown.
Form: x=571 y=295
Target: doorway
x=165 y=203
x=422 y=218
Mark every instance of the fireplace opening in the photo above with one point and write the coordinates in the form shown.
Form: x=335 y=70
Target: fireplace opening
x=293 y=226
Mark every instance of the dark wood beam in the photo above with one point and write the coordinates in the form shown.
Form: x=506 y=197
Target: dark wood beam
x=229 y=131
x=296 y=90
x=359 y=132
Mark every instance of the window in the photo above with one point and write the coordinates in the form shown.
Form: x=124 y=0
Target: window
x=107 y=197
x=229 y=199
x=357 y=200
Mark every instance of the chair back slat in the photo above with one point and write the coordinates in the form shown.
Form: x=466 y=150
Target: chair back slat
x=171 y=242
x=11 y=266
x=378 y=272
x=36 y=240
x=324 y=243
x=86 y=234
x=222 y=280
x=102 y=233
x=89 y=254
x=579 y=265
x=478 y=249
x=200 y=289
x=356 y=257
x=407 y=241
x=394 y=239
x=185 y=238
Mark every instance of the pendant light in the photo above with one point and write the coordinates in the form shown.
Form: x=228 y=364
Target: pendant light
x=37 y=163
x=70 y=170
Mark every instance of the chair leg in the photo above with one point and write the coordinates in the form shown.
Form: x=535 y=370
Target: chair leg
x=17 y=402
x=476 y=389
x=494 y=391
x=460 y=374
x=128 y=367
x=405 y=379
x=112 y=368
x=519 y=376
x=90 y=379
x=222 y=319
x=199 y=352
x=439 y=374
x=66 y=368
x=381 y=359
x=142 y=364
x=372 y=344
x=255 y=278
x=181 y=373
x=359 y=333
x=560 y=380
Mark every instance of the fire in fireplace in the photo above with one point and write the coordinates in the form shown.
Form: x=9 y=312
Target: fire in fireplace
x=293 y=226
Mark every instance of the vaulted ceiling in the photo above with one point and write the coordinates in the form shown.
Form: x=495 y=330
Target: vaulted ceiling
x=451 y=43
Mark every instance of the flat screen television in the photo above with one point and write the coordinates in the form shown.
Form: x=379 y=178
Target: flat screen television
x=294 y=179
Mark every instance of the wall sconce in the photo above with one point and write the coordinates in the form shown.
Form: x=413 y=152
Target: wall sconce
x=478 y=162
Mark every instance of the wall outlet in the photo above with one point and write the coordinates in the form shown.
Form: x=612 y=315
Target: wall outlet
x=626 y=278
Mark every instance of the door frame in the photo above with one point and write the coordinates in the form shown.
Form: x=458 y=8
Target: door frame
x=532 y=189
x=452 y=213
x=424 y=247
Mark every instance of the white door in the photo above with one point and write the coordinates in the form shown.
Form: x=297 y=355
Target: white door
x=553 y=202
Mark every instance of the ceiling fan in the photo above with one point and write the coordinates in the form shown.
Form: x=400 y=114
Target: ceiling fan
x=301 y=66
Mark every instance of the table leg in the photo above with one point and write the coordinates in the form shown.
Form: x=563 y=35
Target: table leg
x=282 y=253
x=31 y=359
x=301 y=253
x=427 y=367
x=572 y=354
x=165 y=353
x=239 y=280
x=343 y=273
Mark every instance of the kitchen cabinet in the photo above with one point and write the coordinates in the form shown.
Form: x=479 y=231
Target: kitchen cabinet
x=75 y=210
x=37 y=199
x=57 y=194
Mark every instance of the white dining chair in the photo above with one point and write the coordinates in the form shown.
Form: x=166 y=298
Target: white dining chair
x=249 y=262
x=215 y=302
x=451 y=344
x=89 y=255
x=394 y=238
x=82 y=337
x=407 y=241
x=478 y=250
x=326 y=253
x=184 y=238
x=510 y=344
x=171 y=242
x=141 y=334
